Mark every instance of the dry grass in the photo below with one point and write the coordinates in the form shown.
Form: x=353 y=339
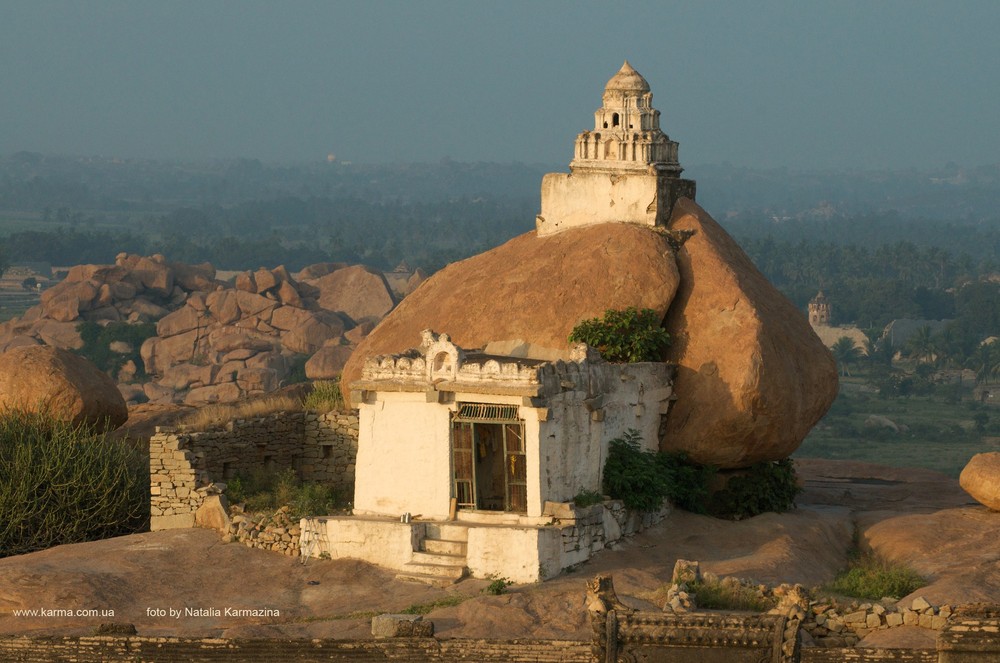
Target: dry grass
x=215 y=416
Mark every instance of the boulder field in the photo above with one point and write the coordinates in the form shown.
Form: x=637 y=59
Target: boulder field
x=752 y=380
x=215 y=340
x=752 y=376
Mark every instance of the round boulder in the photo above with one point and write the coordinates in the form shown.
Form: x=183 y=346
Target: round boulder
x=752 y=376
x=981 y=479
x=42 y=378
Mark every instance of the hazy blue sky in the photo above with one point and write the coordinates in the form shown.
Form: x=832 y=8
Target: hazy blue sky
x=796 y=83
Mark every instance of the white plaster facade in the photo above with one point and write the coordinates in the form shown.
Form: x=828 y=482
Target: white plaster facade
x=568 y=411
x=497 y=446
x=624 y=171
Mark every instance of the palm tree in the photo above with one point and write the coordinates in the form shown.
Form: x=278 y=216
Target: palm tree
x=985 y=361
x=922 y=345
x=846 y=353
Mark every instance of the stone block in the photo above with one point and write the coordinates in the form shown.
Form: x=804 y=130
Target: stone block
x=401 y=626
x=175 y=521
x=919 y=604
x=213 y=513
x=859 y=617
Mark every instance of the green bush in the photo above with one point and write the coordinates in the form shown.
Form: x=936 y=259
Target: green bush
x=260 y=490
x=587 y=498
x=325 y=396
x=97 y=341
x=624 y=336
x=643 y=479
x=634 y=475
x=497 y=586
x=766 y=486
x=60 y=484
x=871 y=576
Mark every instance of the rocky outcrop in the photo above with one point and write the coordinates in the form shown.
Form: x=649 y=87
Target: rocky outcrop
x=531 y=288
x=359 y=291
x=981 y=479
x=46 y=379
x=134 y=289
x=752 y=377
x=215 y=341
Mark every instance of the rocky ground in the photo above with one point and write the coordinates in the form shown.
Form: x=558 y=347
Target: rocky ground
x=916 y=516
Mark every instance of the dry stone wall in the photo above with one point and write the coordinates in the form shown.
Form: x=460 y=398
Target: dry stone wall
x=106 y=649
x=186 y=467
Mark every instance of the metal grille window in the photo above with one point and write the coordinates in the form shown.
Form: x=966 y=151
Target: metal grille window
x=486 y=413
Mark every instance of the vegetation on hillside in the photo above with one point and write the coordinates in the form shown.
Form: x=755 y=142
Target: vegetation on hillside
x=263 y=490
x=644 y=479
x=60 y=484
x=98 y=340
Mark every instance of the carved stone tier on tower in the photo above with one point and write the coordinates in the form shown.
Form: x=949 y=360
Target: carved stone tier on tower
x=625 y=170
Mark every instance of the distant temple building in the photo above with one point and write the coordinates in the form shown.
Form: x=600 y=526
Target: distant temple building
x=626 y=170
x=819 y=310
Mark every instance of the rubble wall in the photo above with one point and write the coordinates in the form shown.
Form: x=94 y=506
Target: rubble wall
x=184 y=465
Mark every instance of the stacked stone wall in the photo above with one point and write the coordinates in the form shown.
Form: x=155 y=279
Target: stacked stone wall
x=585 y=531
x=184 y=465
x=101 y=649
x=853 y=655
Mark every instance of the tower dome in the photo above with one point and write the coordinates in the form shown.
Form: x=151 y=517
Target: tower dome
x=627 y=80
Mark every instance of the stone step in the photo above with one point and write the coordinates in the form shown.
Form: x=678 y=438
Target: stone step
x=442 y=547
x=438 y=559
x=446 y=531
x=443 y=571
x=433 y=581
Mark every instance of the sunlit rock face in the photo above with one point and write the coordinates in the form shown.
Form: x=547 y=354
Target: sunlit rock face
x=38 y=378
x=752 y=377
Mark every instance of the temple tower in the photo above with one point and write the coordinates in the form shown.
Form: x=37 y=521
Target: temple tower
x=625 y=170
x=819 y=310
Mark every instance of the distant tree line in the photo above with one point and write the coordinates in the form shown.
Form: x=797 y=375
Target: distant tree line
x=871 y=286
x=291 y=231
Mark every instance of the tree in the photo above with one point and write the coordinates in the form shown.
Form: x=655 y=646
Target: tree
x=846 y=353
x=922 y=345
x=985 y=361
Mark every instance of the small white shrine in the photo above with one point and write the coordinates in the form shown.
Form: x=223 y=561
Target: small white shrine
x=469 y=462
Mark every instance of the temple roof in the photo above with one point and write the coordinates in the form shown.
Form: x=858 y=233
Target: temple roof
x=627 y=80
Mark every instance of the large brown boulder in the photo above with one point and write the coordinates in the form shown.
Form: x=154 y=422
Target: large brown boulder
x=531 y=288
x=43 y=378
x=359 y=291
x=981 y=479
x=752 y=377
x=328 y=362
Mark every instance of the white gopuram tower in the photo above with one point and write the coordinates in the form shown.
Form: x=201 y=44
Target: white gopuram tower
x=624 y=171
